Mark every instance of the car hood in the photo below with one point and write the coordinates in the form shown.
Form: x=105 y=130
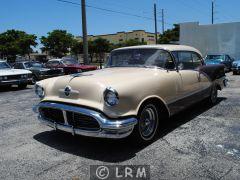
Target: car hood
x=8 y=72
x=112 y=76
x=87 y=88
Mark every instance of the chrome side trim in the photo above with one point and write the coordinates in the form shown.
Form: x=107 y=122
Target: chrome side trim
x=109 y=128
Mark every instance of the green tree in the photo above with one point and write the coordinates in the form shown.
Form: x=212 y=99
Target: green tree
x=101 y=46
x=171 y=35
x=58 y=43
x=91 y=50
x=14 y=42
x=77 y=47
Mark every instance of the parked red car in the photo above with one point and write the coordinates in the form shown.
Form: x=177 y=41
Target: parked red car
x=69 y=66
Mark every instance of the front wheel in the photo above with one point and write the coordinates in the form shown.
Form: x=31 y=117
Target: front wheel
x=214 y=95
x=34 y=79
x=148 y=120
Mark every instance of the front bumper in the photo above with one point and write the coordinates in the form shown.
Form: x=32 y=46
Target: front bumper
x=236 y=69
x=15 y=82
x=109 y=128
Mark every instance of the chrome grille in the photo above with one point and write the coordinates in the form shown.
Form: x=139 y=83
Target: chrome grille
x=14 y=77
x=77 y=120
x=53 y=115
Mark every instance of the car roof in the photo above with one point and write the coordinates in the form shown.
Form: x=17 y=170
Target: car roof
x=54 y=60
x=28 y=62
x=217 y=54
x=168 y=47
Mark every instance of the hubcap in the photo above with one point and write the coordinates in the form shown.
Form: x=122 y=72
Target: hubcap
x=33 y=80
x=148 y=122
x=214 y=95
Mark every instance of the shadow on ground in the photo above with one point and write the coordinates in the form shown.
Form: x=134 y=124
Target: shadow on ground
x=107 y=150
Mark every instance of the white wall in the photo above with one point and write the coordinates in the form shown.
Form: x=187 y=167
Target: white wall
x=217 y=38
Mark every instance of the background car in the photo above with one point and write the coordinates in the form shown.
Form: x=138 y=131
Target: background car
x=220 y=59
x=10 y=76
x=39 y=72
x=236 y=67
x=69 y=66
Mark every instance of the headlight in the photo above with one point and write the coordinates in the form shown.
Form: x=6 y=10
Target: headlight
x=39 y=91
x=24 y=76
x=5 y=78
x=111 y=97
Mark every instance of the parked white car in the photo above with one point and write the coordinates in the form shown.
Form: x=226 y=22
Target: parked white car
x=10 y=76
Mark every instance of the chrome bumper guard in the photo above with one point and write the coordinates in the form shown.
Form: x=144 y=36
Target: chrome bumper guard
x=226 y=82
x=109 y=128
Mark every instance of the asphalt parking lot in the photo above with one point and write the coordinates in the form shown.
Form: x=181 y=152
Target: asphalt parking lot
x=199 y=143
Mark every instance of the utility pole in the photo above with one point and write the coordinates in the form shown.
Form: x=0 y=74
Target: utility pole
x=84 y=33
x=155 y=22
x=163 y=28
x=212 y=11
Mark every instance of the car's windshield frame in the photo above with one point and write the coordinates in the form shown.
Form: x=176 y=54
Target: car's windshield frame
x=7 y=66
x=110 y=65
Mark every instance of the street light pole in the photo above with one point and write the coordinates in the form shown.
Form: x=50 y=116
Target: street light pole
x=155 y=23
x=84 y=33
x=212 y=11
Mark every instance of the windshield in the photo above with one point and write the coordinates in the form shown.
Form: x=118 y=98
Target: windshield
x=215 y=57
x=33 y=64
x=69 y=61
x=139 y=58
x=4 y=65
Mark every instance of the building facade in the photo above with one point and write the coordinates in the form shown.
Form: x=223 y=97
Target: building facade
x=209 y=39
x=120 y=37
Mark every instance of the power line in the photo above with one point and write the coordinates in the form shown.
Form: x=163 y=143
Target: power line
x=107 y=10
x=116 y=12
x=127 y=7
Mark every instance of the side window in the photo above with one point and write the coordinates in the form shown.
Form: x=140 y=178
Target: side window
x=165 y=60
x=169 y=62
x=197 y=60
x=185 y=60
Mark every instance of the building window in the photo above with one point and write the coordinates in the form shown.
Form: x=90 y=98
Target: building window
x=142 y=40
x=120 y=39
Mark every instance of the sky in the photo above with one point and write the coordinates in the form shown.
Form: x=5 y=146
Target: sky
x=41 y=16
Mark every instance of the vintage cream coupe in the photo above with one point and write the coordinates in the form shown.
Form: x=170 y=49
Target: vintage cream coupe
x=140 y=86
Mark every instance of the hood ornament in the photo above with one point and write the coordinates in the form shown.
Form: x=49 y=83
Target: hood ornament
x=67 y=90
